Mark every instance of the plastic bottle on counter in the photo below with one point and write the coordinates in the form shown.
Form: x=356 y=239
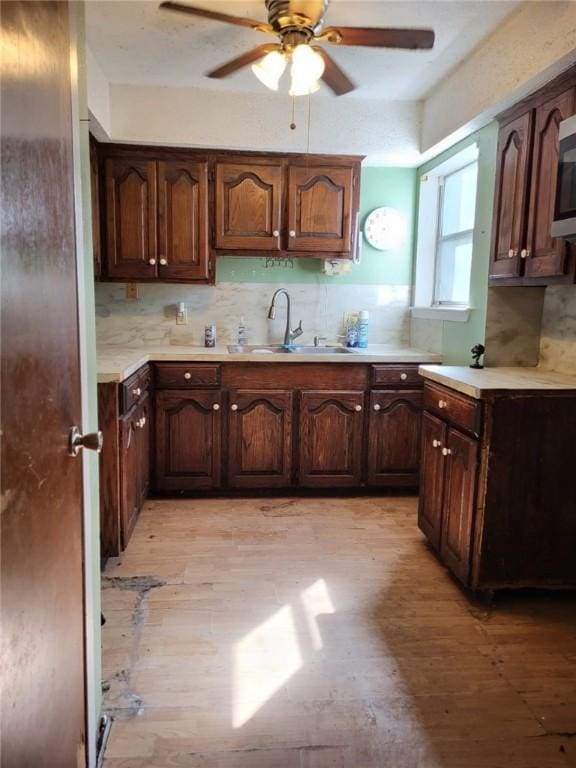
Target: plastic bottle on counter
x=242 y=334
x=210 y=336
x=363 y=318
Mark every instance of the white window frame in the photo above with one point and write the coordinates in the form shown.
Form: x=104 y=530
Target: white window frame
x=429 y=214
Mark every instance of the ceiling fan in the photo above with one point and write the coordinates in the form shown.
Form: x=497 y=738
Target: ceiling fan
x=299 y=24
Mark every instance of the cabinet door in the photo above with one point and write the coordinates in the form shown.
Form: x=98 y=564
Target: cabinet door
x=331 y=429
x=320 y=209
x=188 y=429
x=260 y=439
x=95 y=210
x=129 y=474
x=182 y=220
x=459 y=500
x=144 y=424
x=394 y=426
x=131 y=213
x=546 y=256
x=511 y=197
x=431 y=478
x=248 y=206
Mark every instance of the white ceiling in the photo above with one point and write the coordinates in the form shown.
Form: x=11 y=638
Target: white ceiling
x=136 y=43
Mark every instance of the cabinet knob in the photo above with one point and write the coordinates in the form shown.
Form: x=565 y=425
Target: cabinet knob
x=276 y=233
x=187 y=375
x=292 y=233
x=215 y=407
x=403 y=376
x=152 y=261
x=357 y=408
x=163 y=262
x=234 y=407
x=525 y=253
x=377 y=407
x=141 y=422
x=436 y=443
x=137 y=391
x=446 y=451
x=442 y=404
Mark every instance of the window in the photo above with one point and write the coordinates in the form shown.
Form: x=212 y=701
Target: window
x=446 y=213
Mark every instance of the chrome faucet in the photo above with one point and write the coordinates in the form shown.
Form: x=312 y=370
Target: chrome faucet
x=289 y=334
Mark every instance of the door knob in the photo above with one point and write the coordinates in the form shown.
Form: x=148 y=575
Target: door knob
x=93 y=441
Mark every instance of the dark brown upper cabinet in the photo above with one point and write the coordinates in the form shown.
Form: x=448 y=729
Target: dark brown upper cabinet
x=131 y=210
x=523 y=250
x=320 y=209
x=182 y=220
x=95 y=209
x=248 y=206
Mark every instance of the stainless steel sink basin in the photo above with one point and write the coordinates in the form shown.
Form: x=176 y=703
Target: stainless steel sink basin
x=264 y=349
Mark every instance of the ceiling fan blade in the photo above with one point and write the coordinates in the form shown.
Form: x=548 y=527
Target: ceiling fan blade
x=379 y=38
x=193 y=10
x=335 y=78
x=242 y=61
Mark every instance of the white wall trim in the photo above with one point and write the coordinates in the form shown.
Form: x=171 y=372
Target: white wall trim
x=451 y=314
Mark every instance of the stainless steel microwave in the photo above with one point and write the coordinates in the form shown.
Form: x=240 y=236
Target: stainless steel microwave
x=564 y=224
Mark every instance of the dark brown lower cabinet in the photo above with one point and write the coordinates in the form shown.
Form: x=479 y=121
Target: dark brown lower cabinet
x=394 y=426
x=188 y=439
x=260 y=439
x=134 y=465
x=432 y=478
x=331 y=429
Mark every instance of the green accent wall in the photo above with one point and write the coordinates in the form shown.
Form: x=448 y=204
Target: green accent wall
x=394 y=187
x=458 y=338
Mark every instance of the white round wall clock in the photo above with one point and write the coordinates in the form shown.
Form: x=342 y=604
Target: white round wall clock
x=384 y=228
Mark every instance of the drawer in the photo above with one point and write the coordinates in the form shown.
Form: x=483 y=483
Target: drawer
x=396 y=376
x=145 y=378
x=181 y=376
x=130 y=392
x=460 y=410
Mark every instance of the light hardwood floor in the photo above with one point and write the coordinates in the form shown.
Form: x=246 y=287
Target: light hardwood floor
x=323 y=633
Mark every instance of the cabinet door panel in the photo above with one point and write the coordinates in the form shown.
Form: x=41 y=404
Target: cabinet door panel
x=511 y=197
x=248 y=206
x=260 y=439
x=188 y=429
x=144 y=447
x=331 y=427
x=129 y=474
x=431 y=478
x=183 y=220
x=547 y=255
x=394 y=428
x=131 y=218
x=95 y=210
x=320 y=209
x=459 y=500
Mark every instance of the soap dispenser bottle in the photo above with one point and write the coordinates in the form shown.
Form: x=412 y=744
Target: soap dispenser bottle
x=363 y=318
x=242 y=335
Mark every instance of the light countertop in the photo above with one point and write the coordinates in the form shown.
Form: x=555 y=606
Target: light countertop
x=116 y=364
x=480 y=383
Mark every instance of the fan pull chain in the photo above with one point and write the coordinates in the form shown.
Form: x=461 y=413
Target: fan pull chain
x=308 y=135
x=293 y=123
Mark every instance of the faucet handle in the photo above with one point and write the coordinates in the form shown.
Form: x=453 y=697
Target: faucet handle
x=319 y=339
x=297 y=331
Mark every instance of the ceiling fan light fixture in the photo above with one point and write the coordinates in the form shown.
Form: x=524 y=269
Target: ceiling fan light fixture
x=306 y=70
x=270 y=69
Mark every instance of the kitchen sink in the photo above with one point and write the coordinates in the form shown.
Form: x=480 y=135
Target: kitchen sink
x=263 y=349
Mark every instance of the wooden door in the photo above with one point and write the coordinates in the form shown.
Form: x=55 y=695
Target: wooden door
x=248 y=206
x=546 y=256
x=459 y=499
x=182 y=220
x=41 y=559
x=144 y=425
x=95 y=209
x=320 y=209
x=130 y=447
x=511 y=197
x=188 y=440
x=330 y=438
x=131 y=212
x=432 y=478
x=260 y=439
x=394 y=427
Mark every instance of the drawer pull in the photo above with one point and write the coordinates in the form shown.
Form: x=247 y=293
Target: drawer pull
x=357 y=408
x=137 y=391
x=215 y=407
x=436 y=443
x=446 y=451
x=442 y=404
x=234 y=407
x=377 y=407
x=141 y=422
x=403 y=376
x=187 y=375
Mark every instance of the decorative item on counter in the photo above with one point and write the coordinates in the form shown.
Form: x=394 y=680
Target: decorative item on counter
x=242 y=334
x=362 y=332
x=351 y=325
x=477 y=352
x=210 y=336
x=181 y=313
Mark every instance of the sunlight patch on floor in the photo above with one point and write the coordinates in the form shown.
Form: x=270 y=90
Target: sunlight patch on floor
x=316 y=601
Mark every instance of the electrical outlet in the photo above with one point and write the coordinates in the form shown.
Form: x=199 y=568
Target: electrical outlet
x=132 y=291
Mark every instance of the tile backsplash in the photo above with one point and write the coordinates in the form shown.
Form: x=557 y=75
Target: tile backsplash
x=151 y=319
x=558 y=336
